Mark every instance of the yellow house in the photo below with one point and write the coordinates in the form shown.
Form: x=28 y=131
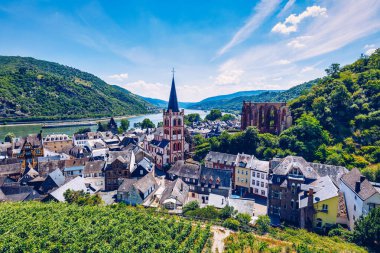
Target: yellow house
x=242 y=173
x=328 y=207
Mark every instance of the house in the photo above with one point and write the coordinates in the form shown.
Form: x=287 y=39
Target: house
x=320 y=205
x=93 y=173
x=120 y=168
x=216 y=200
x=217 y=160
x=5 y=150
x=76 y=184
x=143 y=167
x=73 y=171
x=188 y=172
x=242 y=174
x=28 y=149
x=13 y=191
x=291 y=177
x=259 y=178
x=212 y=181
x=82 y=139
x=137 y=191
x=54 y=180
x=57 y=142
x=361 y=196
x=175 y=195
x=10 y=167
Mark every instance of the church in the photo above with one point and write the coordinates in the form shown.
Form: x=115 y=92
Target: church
x=168 y=144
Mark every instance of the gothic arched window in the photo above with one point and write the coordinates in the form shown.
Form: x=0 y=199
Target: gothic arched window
x=179 y=122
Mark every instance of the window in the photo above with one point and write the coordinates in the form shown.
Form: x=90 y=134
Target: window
x=318 y=223
x=325 y=208
x=246 y=172
x=262 y=184
x=258 y=174
x=253 y=182
x=278 y=180
x=262 y=192
x=141 y=172
x=253 y=174
x=354 y=207
x=256 y=190
x=257 y=183
x=262 y=176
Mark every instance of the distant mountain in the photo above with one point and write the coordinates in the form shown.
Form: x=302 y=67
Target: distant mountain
x=235 y=95
x=233 y=102
x=32 y=89
x=163 y=104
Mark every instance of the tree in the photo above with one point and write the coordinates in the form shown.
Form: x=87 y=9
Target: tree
x=333 y=70
x=160 y=124
x=243 y=218
x=263 y=224
x=192 y=117
x=227 y=117
x=102 y=127
x=81 y=198
x=231 y=223
x=124 y=124
x=227 y=212
x=147 y=123
x=9 y=136
x=83 y=130
x=367 y=229
x=191 y=206
x=214 y=115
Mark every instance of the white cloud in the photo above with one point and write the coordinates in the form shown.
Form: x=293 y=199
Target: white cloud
x=307 y=69
x=291 y=23
x=262 y=10
x=370 y=49
x=119 y=77
x=287 y=6
x=282 y=62
x=228 y=75
x=148 y=89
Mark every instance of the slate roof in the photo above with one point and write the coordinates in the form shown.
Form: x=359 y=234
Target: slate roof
x=209 y=175
x=146 y=182
x=146 y=164
x=173 y=102
x=33 y=139
x=260 y=165
x=218 y=157
x=173 y=190
x=244 y=160
x=76 y=184
x=334 y=172
x=161 y=144
x=366 y=188
x=324 y=189
x=94 y=167
x=44 y=168
x=127 y=184
x=8 y=169
x=182 y=169
x=290 y=162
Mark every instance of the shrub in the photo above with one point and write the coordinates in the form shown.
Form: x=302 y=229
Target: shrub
x=192 y=205
x=231 y=223
x=263 y=224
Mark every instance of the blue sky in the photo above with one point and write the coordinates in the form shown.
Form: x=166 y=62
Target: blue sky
x=217 y=47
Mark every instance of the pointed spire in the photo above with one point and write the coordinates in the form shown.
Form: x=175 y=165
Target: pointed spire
x=173 y=102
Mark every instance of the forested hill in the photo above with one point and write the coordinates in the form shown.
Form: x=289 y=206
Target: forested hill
x=35 y=89
x=235 y=103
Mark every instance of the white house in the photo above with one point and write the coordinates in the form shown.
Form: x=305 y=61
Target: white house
x=259 y=177
x=361 y=196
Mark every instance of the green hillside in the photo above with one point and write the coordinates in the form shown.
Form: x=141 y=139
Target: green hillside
x=235 y=103
x=33 y=89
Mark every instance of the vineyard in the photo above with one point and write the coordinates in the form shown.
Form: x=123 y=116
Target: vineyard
x=57 y=227
x=288 y=240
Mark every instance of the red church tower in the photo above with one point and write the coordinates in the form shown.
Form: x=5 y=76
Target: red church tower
x=174 y=127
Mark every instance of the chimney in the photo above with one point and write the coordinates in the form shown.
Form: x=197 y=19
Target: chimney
x=357 y=186
x=310 y=198
x=362 y=178
x=181 y=186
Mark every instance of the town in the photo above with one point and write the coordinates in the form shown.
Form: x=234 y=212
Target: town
x=154 y=168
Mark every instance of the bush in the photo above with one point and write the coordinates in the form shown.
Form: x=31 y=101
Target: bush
x=263 y=224
x=367 y=229
x=231 y=223
x=243 y=218
x=192 y=205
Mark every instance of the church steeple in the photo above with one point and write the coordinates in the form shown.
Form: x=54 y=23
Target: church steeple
x=173 y=102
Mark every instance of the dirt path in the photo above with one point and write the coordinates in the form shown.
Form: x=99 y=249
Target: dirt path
x=220 y=233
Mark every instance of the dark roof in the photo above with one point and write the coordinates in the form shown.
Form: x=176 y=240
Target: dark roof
x=127 y=184
x=146 y=182
x=93 y=167
x=173 y=102
x=212 y=175
x=34 y=139
x=44 y=168
x=290 y=162
x=217 y=157
x=8 y=161
x=366 y=188
x=177 y=190
x=182 y=169
x=334 y=172
x=161 y=144
x=8 y=169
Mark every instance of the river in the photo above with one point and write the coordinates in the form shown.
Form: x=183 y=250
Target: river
x=23 y=130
